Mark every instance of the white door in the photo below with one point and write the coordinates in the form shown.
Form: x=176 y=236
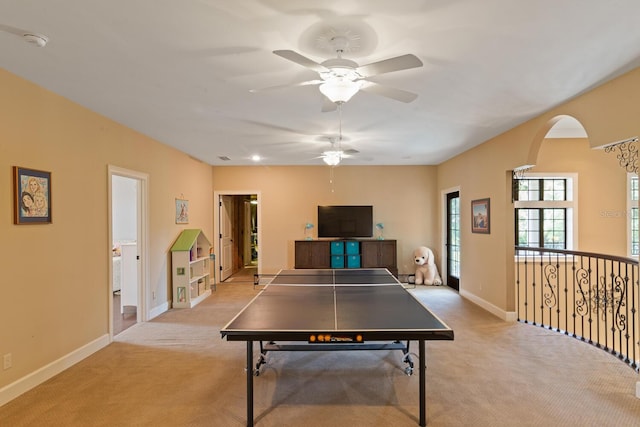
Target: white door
x=226 y=214
x=130 y=278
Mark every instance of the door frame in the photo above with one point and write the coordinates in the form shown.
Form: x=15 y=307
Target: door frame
x=216 y=222
x=142 y=225
x=444 y=261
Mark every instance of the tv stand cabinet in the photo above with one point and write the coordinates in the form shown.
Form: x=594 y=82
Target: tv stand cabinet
x=373 y=253
x=313 y=254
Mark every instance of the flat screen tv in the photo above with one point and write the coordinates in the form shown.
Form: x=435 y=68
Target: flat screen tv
x=345 y=221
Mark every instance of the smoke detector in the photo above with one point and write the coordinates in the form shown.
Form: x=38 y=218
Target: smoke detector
x=36 y=39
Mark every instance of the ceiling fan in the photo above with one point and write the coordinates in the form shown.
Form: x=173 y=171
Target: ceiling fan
x=334 y=156
x=337 y=152
x=37 y=39
x=341 y=78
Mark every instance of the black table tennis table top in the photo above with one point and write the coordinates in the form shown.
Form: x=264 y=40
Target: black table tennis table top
x=369 y=302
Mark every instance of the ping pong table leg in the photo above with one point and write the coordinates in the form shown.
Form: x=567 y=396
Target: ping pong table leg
x=249 y=383
x=423 y=381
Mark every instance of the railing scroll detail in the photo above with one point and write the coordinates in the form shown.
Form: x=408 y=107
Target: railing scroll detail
x=592 y=297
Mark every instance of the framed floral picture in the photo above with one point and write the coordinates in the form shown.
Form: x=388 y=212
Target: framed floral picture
x=182 y=294
x=182 y=211
x=31 y=196
x=480 y=216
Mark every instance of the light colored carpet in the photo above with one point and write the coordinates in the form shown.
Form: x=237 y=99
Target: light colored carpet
x=177 y=371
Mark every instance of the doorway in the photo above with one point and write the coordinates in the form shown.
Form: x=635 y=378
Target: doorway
x=452 y=240
x=239 y=234
x=127 y=238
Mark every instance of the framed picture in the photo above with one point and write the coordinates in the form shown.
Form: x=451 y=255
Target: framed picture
x=31 y=196
x=480 y=216
x=182 y=211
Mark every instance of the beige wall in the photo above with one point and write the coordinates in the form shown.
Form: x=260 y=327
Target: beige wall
x=487 y=260
x=54 y=287
x=403 y=198
x=602 y=195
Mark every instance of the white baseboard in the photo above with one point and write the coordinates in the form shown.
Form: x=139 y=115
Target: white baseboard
x=24 y=384
x=507 y=316
x=638 y=389
x=158 y=310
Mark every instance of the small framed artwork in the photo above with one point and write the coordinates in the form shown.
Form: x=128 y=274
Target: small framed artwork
x=182 y=294
x=180 y=271
x=480 y=216
x=31 y=196
x=182 y=211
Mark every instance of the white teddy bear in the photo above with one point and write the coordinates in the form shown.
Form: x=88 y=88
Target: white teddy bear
x=426 y=270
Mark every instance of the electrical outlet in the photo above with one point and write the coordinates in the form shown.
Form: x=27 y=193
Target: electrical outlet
x=7 y=361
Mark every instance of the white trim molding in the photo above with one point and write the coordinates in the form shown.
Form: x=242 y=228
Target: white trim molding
x=26 y=383
x=507 y=316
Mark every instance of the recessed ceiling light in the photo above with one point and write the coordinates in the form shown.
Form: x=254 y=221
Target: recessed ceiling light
x=256 y=158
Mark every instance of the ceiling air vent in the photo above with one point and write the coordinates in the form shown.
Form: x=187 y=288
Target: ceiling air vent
x=224 y=158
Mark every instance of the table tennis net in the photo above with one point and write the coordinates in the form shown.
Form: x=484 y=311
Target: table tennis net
x=312 y=277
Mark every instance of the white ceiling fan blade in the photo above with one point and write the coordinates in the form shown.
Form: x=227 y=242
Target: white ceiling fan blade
x=275 y=127
x=301 y=60
x=307 y=83
x=389 y=92
x=398 y=63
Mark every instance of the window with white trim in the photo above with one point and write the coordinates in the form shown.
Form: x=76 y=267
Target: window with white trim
x=545 y=211
x=632 y=219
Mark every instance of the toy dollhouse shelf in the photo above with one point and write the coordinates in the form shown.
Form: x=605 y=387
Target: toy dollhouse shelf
x=190 y=269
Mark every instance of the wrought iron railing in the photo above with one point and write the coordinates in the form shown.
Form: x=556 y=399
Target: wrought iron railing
x=589 y=296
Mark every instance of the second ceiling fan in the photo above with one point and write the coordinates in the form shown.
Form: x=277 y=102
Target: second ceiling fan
x=341 y=78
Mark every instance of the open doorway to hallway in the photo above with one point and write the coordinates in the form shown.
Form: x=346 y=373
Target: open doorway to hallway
x=127 y=238
x=239 y=235
x=124 y=196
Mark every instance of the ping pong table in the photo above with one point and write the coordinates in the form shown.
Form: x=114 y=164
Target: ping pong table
x=326 y=309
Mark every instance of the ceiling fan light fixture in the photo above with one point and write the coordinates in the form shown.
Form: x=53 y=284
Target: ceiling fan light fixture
x=340 y=90
x=332 y=158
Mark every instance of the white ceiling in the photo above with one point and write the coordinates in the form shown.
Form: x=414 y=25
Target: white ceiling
x=181 y=71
